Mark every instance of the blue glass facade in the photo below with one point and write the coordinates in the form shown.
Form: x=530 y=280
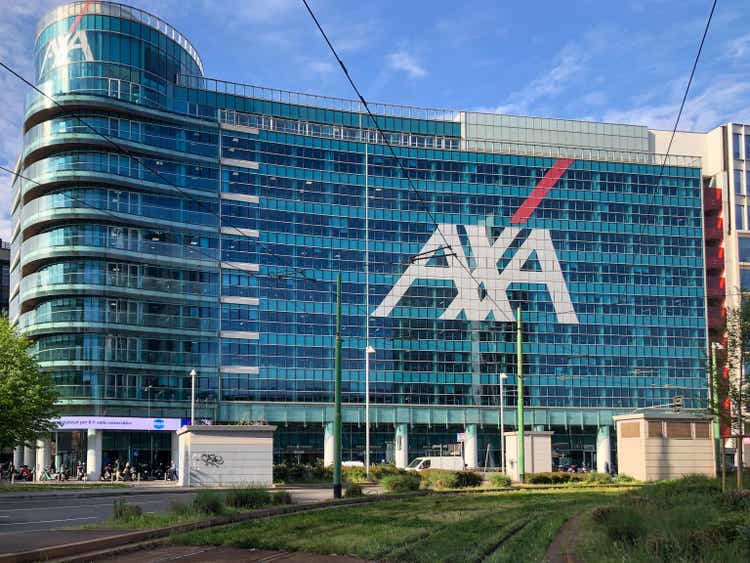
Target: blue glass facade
x=210 y=237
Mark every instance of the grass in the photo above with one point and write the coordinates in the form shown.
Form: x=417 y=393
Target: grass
x=52 y=486
x=683 y=520
x=205 y=505
x=466 y=527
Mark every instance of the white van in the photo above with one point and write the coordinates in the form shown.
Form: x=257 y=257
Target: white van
x=451 y=462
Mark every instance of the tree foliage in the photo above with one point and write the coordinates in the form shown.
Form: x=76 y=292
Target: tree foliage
x=27 y=394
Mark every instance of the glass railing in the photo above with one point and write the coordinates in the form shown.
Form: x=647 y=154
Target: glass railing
x=37 y=319
x=45 y=281
x=120 y=129
x=111 y=203
x=103 y=354
x=50 y=241
x=116 y=88
x=118 y=165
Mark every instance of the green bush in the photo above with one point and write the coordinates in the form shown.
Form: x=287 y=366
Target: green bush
x=400 y=483
x=553 y=478
x=123 y=511
x=354 y=474
x=247 y=498
x=301 y=473
x=597 y=478
x=500 y=480
x=377 y=472
x=440 y=478
x=623 y=478
x=208 y=502
x=281 y=497
x=468 y=479
x=353 y=490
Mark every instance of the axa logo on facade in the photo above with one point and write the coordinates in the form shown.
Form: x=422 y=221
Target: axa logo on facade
x=492 y=303
x=60 y=48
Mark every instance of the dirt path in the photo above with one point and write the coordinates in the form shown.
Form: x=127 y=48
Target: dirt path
x=562 y=548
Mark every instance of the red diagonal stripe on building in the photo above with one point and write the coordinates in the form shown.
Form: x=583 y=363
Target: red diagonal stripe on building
x=523 y=213
x=77 y=21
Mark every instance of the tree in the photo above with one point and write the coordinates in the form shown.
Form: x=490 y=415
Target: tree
x=27 y=394
x=738 y=354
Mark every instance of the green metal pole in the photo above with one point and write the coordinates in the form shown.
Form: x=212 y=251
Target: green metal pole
x=715 y=406
x=519 y=399
x=337 y=399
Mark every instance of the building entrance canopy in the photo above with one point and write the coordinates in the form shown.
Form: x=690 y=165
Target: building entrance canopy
x=118 y=423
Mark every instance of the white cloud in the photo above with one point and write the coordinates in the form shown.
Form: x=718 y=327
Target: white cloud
x=403 y=61
x=570 y=63
x=739 y=47
x=322 y=67
x=721 y=99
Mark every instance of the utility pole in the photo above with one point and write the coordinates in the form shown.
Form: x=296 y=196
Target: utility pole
x=337 y=398
x=502 y=377
x=519 y=398
x=718 y=449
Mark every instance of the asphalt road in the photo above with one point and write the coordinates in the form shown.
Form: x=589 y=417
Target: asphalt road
x=28 y=523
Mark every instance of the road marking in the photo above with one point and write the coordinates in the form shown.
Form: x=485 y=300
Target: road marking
x=49 y=521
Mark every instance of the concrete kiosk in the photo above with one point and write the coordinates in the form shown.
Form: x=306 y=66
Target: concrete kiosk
x=537 y=454
x=223 y=455
x=653 y=446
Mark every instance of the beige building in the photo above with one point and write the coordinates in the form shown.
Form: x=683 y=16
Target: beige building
x=654 y=446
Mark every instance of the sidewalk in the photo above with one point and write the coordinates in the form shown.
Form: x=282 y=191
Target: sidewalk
x=79 y=490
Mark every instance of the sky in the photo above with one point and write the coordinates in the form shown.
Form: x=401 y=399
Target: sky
x=623 y=62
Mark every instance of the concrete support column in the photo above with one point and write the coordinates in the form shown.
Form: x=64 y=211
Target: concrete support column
x=29 y=457
x=328 y=439
x=175 y=447
x=18 y=456
x=43 y=456
x=471 y=446
x=401 y=446
x=93 y=454
x=603 y=450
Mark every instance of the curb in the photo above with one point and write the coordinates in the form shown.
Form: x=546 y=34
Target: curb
x=82 y=548
x=82 y=493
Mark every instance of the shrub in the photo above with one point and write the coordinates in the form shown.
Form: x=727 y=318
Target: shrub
x=353 y=490
x=123 y=511
x=354 y=474
x=500 y=480
x=321 y=472
x=281 y=497
x=208 y=502
x=247 y=498
x=623 y=478
x=737 y=499
x=377 y=472
x=468 y=479
x=400 y=483
x=598 y=478
x=553 y=478
x=440 y=478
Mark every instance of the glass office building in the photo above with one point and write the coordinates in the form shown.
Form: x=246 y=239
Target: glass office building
x=166 y=222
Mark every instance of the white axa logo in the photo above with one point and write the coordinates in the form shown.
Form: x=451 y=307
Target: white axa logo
x=60 y=48
x=475 y=304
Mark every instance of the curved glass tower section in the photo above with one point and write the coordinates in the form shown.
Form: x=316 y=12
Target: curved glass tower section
x=165 y=222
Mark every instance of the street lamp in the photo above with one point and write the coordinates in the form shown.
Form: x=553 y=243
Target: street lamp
x=193 y=373
x=503 y=376
x=147 y=389
x=368 y=350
